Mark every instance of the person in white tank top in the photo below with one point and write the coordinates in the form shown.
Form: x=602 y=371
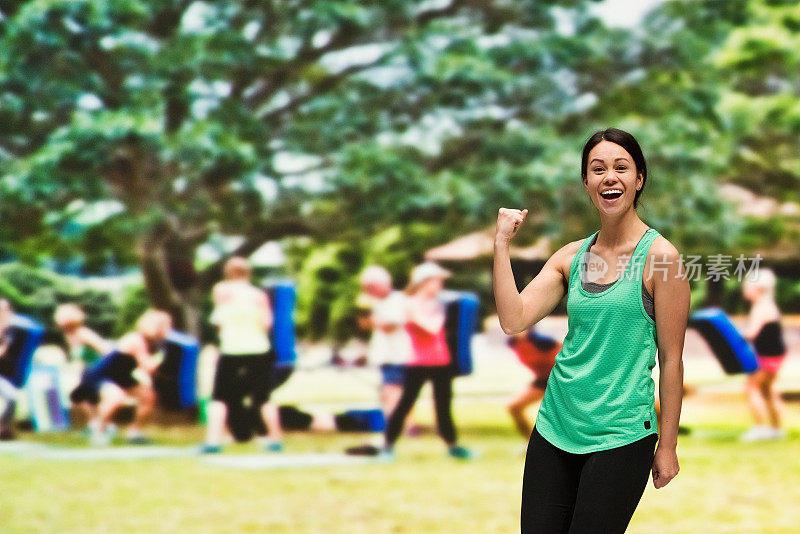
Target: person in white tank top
x=390 y=345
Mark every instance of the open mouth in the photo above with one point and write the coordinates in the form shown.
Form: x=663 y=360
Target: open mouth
x=611 y=195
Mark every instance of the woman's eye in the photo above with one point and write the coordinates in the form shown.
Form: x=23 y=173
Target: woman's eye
x=598 y=169
x=622 y=169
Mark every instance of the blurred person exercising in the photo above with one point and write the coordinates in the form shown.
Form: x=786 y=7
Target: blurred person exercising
x=84 y=344
x=593 y=442
x=430 y=359
x=246 y=364
x=128 y=368
x=390 y=343
x=764 y=331
x=85 y=347
x=538 y=353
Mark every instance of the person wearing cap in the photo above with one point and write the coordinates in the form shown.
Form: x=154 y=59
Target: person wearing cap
x=390 y=343
x=764 y=331
x=430 y=359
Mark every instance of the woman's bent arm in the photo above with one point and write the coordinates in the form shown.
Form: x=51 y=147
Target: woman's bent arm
x=516 y=311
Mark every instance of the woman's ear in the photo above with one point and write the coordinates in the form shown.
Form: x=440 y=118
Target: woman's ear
x=639 y=181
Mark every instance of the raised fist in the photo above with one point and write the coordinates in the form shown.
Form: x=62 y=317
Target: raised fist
x=508 y=222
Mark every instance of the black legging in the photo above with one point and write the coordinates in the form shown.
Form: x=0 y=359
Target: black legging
x=583 y=493
x=415 y=378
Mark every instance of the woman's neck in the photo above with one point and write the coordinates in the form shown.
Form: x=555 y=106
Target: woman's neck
x=619 y=231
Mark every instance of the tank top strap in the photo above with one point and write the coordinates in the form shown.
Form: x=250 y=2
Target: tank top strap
x=574 y=269
x=639 y=257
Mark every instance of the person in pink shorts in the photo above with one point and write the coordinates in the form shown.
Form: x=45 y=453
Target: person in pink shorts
x=764 y=331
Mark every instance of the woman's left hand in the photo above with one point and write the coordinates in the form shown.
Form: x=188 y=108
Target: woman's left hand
x=665 y=466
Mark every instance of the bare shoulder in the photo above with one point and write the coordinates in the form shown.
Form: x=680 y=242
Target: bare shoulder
x=219 y=289
x=131 y=342
x=562 y=258
x=258 y=294
x=662 y=248
x=663 y=266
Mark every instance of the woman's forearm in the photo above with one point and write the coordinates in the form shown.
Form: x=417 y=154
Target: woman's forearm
x=507 y=298
x=670 y=392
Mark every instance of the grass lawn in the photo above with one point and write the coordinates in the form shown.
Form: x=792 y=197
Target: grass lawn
x=724 y=486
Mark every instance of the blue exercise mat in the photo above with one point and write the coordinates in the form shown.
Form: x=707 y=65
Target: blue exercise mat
x=731 y=349
x=176 y=377
x=461 y=319
x=282 y=296
x=26 y=335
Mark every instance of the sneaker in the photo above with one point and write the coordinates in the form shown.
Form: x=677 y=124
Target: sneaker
x=386 y=454
x=461 y=453
x=758 y=433
x=778 y=433
x=98 y=438
x=207 y=448
x=274 y=446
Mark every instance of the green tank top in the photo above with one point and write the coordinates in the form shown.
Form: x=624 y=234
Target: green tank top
x=600 y=393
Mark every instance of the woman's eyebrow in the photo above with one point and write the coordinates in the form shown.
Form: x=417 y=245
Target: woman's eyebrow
x=626 y=160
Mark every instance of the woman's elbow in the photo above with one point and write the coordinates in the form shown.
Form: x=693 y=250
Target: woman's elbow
x=510 y=329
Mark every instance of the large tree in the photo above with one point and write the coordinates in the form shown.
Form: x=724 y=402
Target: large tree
x=140 y=130
x=135 y=130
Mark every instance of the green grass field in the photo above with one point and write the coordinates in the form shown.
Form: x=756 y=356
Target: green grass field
x=724 y=486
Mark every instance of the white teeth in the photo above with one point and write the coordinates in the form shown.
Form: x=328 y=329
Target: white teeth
x=611 y=191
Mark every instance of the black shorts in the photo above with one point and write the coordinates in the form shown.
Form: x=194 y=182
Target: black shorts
x=240 y=376
x=85 y=393
x=117 y=367
x=120 y=370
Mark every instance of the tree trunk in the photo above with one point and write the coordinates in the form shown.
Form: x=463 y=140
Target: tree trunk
x=160 y=287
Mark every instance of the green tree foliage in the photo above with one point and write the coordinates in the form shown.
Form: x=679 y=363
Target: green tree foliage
x=140 y=130
x=37 y=292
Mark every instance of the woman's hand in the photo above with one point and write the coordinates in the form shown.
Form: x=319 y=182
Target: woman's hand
x=665 y=466
x=508 y=222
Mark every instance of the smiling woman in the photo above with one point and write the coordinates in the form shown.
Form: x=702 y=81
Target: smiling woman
x=617 y=149
x=593 y=443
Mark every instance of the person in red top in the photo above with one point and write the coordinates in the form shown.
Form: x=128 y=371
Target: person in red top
x=430 y=359
x=538 y=353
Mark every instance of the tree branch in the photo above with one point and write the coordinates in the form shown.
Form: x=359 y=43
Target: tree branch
x=291 y=70
x=343 y=39
x=324 y=85
x=294 y=226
